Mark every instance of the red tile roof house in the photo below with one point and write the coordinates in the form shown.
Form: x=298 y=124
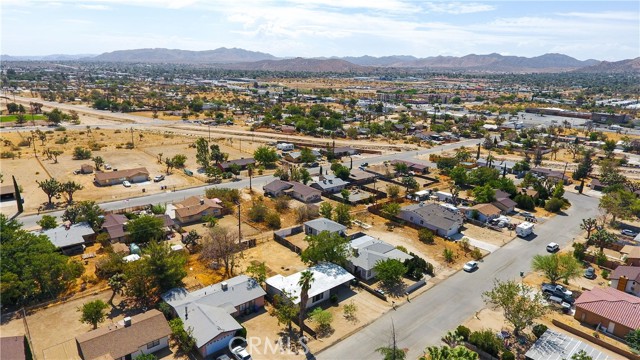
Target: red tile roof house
x=613 y=310
x=194 y=208
x=117 y=177
x=145 y=333
x=627 y=279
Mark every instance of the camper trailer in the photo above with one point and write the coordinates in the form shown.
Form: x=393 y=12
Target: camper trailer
x=525 y=229
x=285 y=147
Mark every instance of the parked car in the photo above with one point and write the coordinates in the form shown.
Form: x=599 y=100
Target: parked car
x=553 y=247
x=558 y=291
x=158 y=178
x=241 y=353
x=364 y=164
x=628 y=232
x=126 y=183
x=590 y=273
x=312 y=165
x=470 y=266
x=107 y=167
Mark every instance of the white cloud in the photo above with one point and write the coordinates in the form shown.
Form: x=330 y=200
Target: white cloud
x=605 y=15
x=457 y=8
x=94 y=7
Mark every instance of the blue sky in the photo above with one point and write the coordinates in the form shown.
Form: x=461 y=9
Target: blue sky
x=603 y=30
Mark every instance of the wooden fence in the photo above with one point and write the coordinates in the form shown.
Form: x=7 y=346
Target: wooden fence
x=280 y=237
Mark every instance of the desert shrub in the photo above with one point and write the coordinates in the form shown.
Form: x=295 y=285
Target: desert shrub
x=60 y=128
x=7 y=155
x=487 y=341
x=539 y=329
x=80 y=153
x=463 y=332
x=554 y=205
x=281 y=203
x=273 y=220
x=507 y=355
x=476 y=254
x=605 y=274
x=24 y=143
x=333 y=299
x=426 y=236
x=258 y=212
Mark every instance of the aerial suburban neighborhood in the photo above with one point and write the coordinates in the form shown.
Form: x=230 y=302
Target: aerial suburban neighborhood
x=228 y=204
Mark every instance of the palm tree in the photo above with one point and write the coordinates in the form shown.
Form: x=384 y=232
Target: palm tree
x=306 y=278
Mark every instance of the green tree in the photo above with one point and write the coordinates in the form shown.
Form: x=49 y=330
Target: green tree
x=69 y=188
x=258 y=212
x=183 y=337
x=191 y=239
x=285 y=310
x=345 y=194
x=557 y=266
x=621 y=204
x=447 y=353
x=558 y=190
x=391 y=210
x=589 y=225
x=167 y=266
x=141 y=286
x=145 y=228
x=93 y=312
x=117 y=283
x=306 y=156
x=221 y=245
x=391 y=353
x=87 y=211
x=426 y=236
x=146 y=357
x=51 y=187
x=203 y=155
x=393 y=191
x=47 y=222
x=217 y=156
x=459 y=175
x=581 y=355
x=633 y=339
x=98 y=161
x=80 y=153
x=585 y=167
x=342 y=215
x=305 y=176
x=390 y=272
x=178 y=161
x=484 y=194
x=340 y=171
x=326 y=210
x=570 y=267
x=601 y=238
x=326 y=246
x=520 y=303
x=258 y=272
x=410 y=183
x=306 y=279
x=265 y=156
x=323 y=318
x=55 y=116
x=554 y=205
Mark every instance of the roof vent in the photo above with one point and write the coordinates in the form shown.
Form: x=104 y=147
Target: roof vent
x=224 y=285
x=127 y=321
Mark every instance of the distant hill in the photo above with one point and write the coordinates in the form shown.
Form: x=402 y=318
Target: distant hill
x=386 y=61
x=623 y=66
x=220 y=55
x=299 y=64
x=499 y=63
x=54 y=57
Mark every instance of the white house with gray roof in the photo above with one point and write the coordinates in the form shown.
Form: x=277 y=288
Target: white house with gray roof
x=316 y=226
x=327 y=280
x=329 y=184
x=442 y=220
x=366 y=251
x=70 y=238
x=211 y=311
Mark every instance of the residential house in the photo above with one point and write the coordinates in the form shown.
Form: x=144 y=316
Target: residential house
x=631 y=254
x=345 y=151
x=288 y=129
x=359 y=177
x=13 y=348
x=412 y=166
x=485 y=212
x=530 y=192
x=141 y=334
x=109 y=178
x=316 y=226
x=242 y=164
x=366 y=251
x=442 y=220
x=294 y=189
x=295 y=156
x=504 y=203
x=627 y=279
x=328 y=279
x=614 y=311
x=425 y=135
x=555 y=176
x=211 y=311
x=329 y=184
x=194 y=209
x=70 y=239
x=114 y=226
x=596 y=185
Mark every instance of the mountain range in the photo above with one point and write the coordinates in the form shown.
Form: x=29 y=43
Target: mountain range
x=240 y=59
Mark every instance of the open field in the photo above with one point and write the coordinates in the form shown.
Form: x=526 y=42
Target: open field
x=28 y=117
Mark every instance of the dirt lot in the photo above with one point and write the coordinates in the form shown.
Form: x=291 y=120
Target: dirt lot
x=27 y=171
x=498 y=238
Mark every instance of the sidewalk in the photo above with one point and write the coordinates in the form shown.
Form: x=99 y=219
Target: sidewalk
x=476 y=243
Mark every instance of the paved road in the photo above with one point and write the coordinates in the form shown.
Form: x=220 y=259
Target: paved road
x=424 y=320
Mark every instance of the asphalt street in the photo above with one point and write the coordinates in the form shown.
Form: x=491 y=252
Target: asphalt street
x=423 y=321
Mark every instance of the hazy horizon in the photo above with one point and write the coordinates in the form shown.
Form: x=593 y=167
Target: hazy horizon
x=325 y=28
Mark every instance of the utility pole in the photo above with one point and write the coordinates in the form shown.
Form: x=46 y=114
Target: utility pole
x=239 y=230
x=565 y=170
x=209 y=125
x=132 y=145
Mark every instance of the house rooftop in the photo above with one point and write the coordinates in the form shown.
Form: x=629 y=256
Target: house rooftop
x=118 y=340
x=194 y=205
x=369 y=250
x=612 y=304
x=324 y=224
x=329 y=182
x=63 y=235
x=630 y=272
x=436 y=215
x=326 y=276
x=557 y=346
x=120 y=174
x=12 y=348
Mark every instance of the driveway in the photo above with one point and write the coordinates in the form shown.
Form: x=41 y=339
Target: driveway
x=428 y=317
